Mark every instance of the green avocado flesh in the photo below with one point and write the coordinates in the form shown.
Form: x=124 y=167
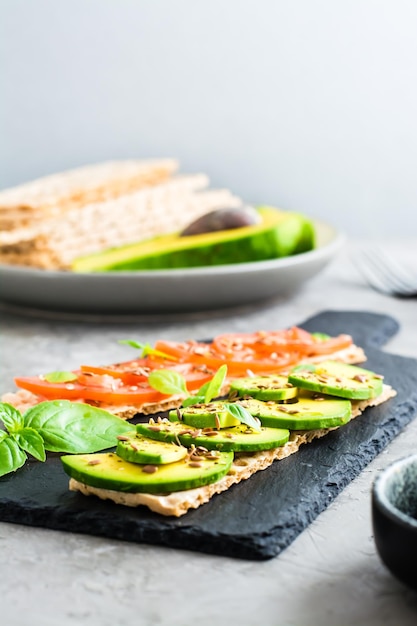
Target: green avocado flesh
x=212 y=415
x=237 y=438
x=337 y=379
x=136 y=449
x=264 y=387
x=304 y=414
x=109 y=471
x=279 y=234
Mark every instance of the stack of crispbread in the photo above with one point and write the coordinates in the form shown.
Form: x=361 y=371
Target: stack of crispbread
x=49 y=222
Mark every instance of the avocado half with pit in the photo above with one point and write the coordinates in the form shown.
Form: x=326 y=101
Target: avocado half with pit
x=279 y=234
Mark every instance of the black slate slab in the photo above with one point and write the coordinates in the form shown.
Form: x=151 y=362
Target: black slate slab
x=261 y=516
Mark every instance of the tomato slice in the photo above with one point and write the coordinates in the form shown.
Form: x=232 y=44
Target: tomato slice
x=126 y=383
x=237 y=364
x=328 y=346
x=131 y=374
x=119 y=395
x=265 y=343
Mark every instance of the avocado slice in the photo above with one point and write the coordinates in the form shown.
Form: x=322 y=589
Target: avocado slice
x=337 y=379
x=210 y=415
x=109 y=471
x=280 y=233
x=272 y=387
x=137 y=449
x=237 y=438
x=304 y=414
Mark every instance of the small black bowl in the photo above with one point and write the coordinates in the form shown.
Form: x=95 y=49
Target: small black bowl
x=394 y=517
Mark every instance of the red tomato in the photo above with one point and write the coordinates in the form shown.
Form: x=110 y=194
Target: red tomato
x=237 y=364
x=119 y=395
x=131 y=374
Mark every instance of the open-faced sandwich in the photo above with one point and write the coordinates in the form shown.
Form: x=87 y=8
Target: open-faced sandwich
x=277 y=391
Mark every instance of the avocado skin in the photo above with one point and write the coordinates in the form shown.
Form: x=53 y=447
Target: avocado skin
x=312 y=414
x=279 y=234
x=142 y=450
x=337 y=379
x=264 y=387
x=111 y=472
x=227 y=439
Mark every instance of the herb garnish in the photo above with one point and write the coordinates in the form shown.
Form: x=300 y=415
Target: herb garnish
x=171 y=382
x=56 y=426
x=60 y=377
x=168 y=382
x=209 y=390
x=239 y=412
x=320 y=336
x=147 y=349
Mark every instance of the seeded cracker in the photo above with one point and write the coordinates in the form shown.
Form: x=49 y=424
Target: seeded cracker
x=178 y=503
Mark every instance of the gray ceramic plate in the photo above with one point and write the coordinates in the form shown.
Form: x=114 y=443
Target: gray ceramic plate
x=194 y=289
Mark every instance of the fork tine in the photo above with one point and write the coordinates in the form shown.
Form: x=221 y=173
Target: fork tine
x=385 y=274
x=399 y=275
x=403 y=274
x=381 y=281
x=366 y=267
x=389 y=273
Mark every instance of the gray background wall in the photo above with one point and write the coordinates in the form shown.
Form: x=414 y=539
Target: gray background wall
x=305 y=104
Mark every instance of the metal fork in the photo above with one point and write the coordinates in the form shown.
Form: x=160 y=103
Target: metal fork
x=385 y=274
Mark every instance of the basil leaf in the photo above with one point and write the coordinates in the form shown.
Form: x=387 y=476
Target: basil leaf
x=321 y=336
x=304 y=367
x=60 y=377
x=3 y=435
x=243 y=415
x=215 y=384
x=168 y=382
x=11 y=456
x=132 y=343
x=193 y=400
x=74 y=427
x=31 y=441
x=11 y=417
x=147 y=349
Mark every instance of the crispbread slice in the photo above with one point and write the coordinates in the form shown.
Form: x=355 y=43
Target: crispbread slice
x=168 y=207
x=178 y=503
x=83 y=185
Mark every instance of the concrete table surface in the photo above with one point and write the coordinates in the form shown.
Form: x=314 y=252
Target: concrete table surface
x=331 y=574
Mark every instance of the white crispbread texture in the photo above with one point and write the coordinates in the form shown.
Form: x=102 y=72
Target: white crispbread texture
x=55 y=241
x=59 y=192
x=245 y=464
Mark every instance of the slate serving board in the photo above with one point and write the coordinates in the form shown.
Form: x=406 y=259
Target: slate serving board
x=261 y=516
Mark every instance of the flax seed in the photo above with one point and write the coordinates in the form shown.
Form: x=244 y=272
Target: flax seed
x=149 y=469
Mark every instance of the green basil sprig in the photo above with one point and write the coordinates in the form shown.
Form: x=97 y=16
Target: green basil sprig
x=243 y=415
x=171 y=382
x=209 y=390
x=147 y=349
x=60 y=377
x=56 y=426
x=321 y=336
